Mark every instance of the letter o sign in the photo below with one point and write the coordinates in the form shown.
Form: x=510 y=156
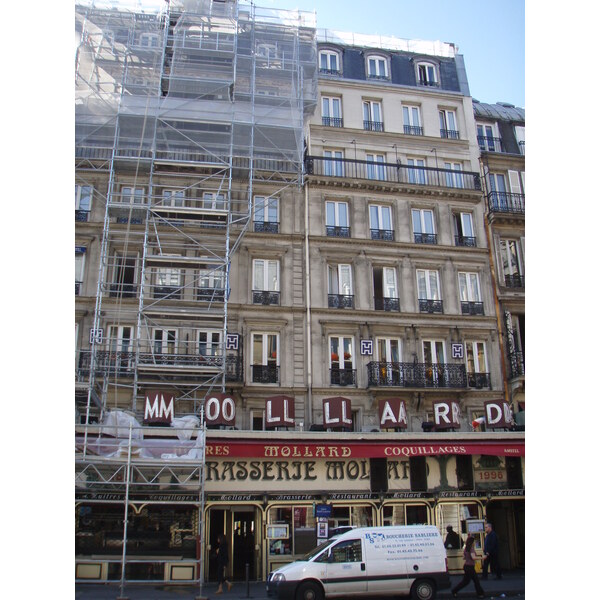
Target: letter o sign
x=219 y=409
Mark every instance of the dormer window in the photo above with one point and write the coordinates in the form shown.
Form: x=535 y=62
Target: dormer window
x=377 y=67
x=329 y=62
x=427 y=74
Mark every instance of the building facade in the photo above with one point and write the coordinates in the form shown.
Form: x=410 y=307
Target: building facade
x=286 y=319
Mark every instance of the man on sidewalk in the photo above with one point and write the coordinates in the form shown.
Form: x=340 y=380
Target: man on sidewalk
x=490 y=552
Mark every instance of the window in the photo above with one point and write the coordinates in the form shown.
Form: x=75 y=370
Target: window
x=381 y=222
x=149 y=40
x=347 y=551
x=511 y=263
x=477 y=370
x=412 y=120
x=470 y=294
x=415 y=171
x=428 y=286
x=265 y=278
x=377 y=67
x=341 y=360
x=79 y=266
x=520 y=137
x=427 y=74
x=464 y=234
x=336 y=219
x=209 y=342
x=124 y=273
x=173 y=198
x=339 y=279
x=266 y=214
x=268 y=54
x=265 y=358
x=132 y=195
x=498 y=198
x=83 y=202
x=168 y=283
x=487 y=138
x=334 y=167
x=389 y=356
x=211 y=285
x=376 y=167
x=385 y=288
x=164 y=343
x=213 y=201
x=120 y=343
x=434 y=357
x=331 y=111
x=372 y=115
x=448 y=128
x=454 y=176
x=423 y=226
x=329 y=62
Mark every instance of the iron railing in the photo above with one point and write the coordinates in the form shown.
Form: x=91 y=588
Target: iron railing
x=265 y=374
x=504 y=202
x=471 y=308
x=396 y=173
x=431 y=306
x=490 y=144
x=465 y=240
x=387 y=304
x=373 y=125
x=266 y=227
x=382 y=234
x=340 y=301
x=450 y=134
x=425 y=238
x=514 y=281
x=332 y=121
x=337 y=231
x=516 y=364
x=414 y=374
x=342 y=376
x=479 y=380
x=265 y=297
x=82 y=216
x=413 y=130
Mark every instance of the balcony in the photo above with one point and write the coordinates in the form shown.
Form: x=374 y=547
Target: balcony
x=78 y=285
x=266 y=227
x=506 y=203
x=332 y=121
x=514 y=281
x=337 y=231
x=107 y=362
x=265 y=374
x=323 y=71
x=386 y=235
x=516 y=365
x=465 y=241
x=265 y=297
x=425 y=238
x=342 y=376
x=471 y=308
x=413 y=130
x=479 y=380
x=394 y=173
x=490 y=144
x=431 y=306
x=123 y=290
x=82 y=216
x=168 y=292
x=373 y=126
x=450 y=134
x=387 y=304
x=416 y=375
x=340 y=301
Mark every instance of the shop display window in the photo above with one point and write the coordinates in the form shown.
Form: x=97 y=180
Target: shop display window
x=456 y=515
x=405 y=514
x=301 y=526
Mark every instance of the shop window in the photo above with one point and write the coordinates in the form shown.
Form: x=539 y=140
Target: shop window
x=301 y=526
x=405 y=514
x=418 y=474
x=464 y=472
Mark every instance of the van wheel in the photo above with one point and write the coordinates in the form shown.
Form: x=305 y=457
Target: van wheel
x=423 y=590
x=309 y=591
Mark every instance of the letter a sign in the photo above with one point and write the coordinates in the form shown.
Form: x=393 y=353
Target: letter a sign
x=392 y=414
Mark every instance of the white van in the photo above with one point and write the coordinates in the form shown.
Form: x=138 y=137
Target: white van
x=381 y=561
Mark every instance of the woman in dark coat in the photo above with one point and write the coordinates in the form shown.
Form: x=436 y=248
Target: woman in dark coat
x=469 y=569
x=222 y=563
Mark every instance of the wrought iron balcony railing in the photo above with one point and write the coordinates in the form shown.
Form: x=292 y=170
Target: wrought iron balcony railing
x=78 y=285
x=82 y=215
x=395 y=173
x=123 y=290
x=479 y=380
x=265 y=297
x=504 y=202
x=425 y=238
x=382 y=234
x=387 y=304
x=420 y=375
x=516 y=364
x=514 y=281
x=167 y=292
x=323 y=71
x=471 y=308
x=266 y=227
x=490 y=144
x=373 y=125
x=413 y=130
x=265 y=374
x=340 y=301
x=465 y=240
x=205 y=294
x=342 y=376
x=450 y=134
x=337 y=231
x=332 y=121
x=431 y=306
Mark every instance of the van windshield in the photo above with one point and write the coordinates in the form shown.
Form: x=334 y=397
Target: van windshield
x=316 y=551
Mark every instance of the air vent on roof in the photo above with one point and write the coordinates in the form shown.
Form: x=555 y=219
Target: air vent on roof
x=506 y=104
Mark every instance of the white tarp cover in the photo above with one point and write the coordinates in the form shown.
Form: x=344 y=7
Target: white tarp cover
x=117 y=423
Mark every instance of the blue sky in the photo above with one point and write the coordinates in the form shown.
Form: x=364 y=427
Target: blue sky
x=490 y=34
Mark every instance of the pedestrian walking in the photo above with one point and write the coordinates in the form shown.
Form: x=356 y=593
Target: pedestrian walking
x=469 y=569
x=222 y=564
x=490 y=552
x=453 y=540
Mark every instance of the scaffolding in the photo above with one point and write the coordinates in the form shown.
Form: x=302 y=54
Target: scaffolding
x=181 y=107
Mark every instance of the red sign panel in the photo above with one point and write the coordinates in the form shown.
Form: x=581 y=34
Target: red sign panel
x=159 y=407
x=279 y=411
x=498 y=414
x=219 y=409
x=392 y=414
x=446 y=415
x=337 y=413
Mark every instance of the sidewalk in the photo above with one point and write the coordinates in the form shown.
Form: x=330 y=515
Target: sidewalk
x=512 y=585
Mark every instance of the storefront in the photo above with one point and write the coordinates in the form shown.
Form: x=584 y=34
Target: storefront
x=275 y=498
